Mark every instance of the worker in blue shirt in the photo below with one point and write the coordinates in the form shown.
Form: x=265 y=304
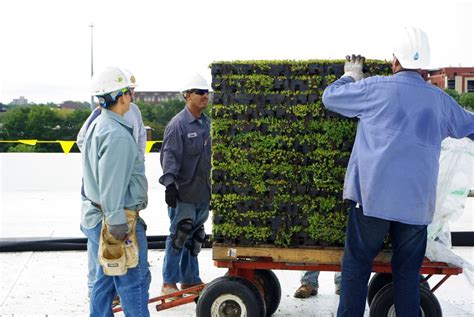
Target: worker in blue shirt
x=116 y=187
x=134 y=117
x=392 y=172
x=186 y=162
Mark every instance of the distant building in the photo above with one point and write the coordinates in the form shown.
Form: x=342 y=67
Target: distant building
x=20 y=101
x=460 y=79
x=157 y=96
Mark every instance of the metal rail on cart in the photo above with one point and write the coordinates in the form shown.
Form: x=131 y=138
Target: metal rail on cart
x=251 y=268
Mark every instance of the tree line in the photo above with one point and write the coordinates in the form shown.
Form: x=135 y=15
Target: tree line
x=465 y=99
x=46 y=122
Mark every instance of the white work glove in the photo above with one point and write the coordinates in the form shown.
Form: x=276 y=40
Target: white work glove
x=353 y=67
x=119 y=232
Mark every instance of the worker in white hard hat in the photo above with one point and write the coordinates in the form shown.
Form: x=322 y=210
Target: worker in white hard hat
x=116 y=189
x=186 y=162
x=134 y=117
x=392 y=174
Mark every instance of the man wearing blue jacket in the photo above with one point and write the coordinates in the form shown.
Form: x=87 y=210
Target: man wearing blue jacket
x=116 y=187
x=134 y=117
x=186 y=162
x=392 y=173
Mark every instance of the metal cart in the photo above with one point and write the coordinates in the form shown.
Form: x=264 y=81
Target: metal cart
x=250 y=288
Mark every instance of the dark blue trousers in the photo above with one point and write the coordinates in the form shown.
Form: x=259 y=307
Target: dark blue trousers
x=364 y=240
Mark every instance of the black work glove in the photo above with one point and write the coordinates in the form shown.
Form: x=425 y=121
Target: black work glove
x=171 y=195
x=119 y=232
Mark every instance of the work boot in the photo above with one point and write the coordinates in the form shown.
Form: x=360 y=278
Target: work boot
x=169 y=289
x=305 y=291
x=186 y=286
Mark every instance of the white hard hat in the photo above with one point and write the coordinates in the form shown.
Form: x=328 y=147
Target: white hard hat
x=196 y=82
x=112 y=79
x=131 y=78
x=412 y=48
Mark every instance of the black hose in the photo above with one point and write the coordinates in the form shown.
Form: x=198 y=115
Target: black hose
x=462 y=239
x=459 y=239
x=68 y=244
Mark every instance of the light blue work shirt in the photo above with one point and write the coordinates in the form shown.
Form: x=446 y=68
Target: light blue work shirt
x=394 y=164
x=133 y=116
x=113 y=169
x=186 y=156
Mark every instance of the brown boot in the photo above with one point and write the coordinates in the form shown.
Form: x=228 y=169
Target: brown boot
x=305 y=291
x=167 y=289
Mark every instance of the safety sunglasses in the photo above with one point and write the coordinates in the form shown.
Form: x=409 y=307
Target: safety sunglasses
x=200 y=92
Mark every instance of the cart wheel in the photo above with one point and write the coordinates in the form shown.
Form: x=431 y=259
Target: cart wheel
x=379 y=280
x=272 y=289
x=230 y=296
x=382 y=304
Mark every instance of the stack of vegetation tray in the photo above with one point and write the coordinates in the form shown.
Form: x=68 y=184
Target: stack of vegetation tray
x=278 y=156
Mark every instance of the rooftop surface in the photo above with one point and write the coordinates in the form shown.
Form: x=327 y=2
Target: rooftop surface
x=39 y=198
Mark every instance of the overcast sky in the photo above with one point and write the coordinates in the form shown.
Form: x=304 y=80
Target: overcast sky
x=45 y=51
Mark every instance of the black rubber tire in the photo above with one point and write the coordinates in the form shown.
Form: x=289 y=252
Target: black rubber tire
x=271 y=288
x=383 y=303
x=228 y=296
x=379 y=280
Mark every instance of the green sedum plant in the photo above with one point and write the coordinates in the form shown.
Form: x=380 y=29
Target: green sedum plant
x=278 y=156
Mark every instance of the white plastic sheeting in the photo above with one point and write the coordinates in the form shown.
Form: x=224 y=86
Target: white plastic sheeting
x=454 y=183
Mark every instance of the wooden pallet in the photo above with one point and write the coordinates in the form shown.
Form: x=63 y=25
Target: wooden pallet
x=222 y=252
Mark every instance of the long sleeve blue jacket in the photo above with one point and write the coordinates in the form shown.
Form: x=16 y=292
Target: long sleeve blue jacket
x=186 y=156
x=394 y=164
x=114 y=171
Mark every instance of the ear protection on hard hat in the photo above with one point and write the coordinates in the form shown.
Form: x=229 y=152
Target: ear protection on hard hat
x=110 y=99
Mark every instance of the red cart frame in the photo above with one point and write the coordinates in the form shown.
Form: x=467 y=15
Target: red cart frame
x=246 y=269
x=243 y=262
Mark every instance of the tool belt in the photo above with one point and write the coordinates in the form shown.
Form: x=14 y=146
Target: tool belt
x=116 y=256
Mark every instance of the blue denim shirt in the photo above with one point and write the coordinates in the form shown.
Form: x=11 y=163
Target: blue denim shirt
x=114 y=170
x=394 y=164
x=186 y=156
x=133 y=116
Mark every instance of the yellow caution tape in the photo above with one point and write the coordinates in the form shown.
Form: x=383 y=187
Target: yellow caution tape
x=66 y=146
x=149 y=145
x=28 y=142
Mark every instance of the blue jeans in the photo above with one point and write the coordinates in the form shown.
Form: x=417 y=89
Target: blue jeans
x=311 y=278
x=364 y=240
x=179 y=266
x=92 y=264
x=131 y=287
